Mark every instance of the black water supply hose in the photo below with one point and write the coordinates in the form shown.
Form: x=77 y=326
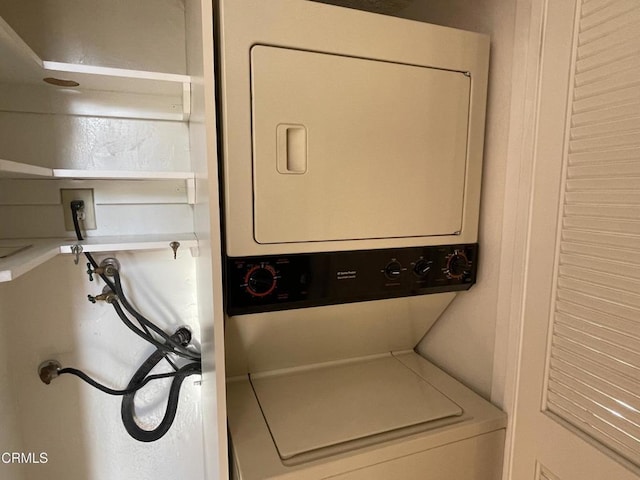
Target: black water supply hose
x=128 y=408
x=166 y=345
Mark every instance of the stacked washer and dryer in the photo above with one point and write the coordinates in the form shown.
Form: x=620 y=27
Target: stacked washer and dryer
x=352 y=156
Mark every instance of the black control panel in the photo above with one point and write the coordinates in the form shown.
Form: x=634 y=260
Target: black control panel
x=280 y=282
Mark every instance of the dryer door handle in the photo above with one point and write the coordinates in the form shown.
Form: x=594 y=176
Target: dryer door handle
x=291 y=148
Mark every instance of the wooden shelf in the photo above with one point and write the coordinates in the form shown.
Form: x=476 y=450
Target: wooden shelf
x=102 y=91
x=30 y=253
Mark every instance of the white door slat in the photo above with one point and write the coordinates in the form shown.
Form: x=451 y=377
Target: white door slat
x=590 y=424
x=601 y=418
x=599 y=71
x=600 y=305
x=617 y=44
x=621 y=14
x=591 y=6
x=597 y=289
x=618 y=140
x=625 y=388
x=626 y=416
x=621 y=80
x=610 y=99
x=610 y=156
x=625 y=326
x=599 y=239
x=603 y=225
x=599 y=16
x=627 y=210
x=604 y=198
x=630 y=341
x=605 y=115
x=596 y=344
x=625 y=266
x=609 y=362
x=603 y=253
x=605 y=184
x=626 y=124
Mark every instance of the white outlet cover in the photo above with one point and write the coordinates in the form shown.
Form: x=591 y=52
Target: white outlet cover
x=67 y=195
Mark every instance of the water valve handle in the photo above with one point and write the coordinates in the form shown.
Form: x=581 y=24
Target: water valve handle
x=107 y=296
x=90 y=272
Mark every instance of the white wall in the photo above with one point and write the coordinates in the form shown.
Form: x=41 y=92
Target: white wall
x=46 y=310
x=462 y=341
x=64 y=141
x=102 y=33
x=48 y=315
x=10 y=436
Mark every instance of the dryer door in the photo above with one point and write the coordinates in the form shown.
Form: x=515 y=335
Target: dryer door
x=348 y=148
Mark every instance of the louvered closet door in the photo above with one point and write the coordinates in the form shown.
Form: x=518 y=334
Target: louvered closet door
x=578 y=414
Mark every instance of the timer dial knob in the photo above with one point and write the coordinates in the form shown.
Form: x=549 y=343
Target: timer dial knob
x=457 y=265
x=393 y=270
x=261 y=280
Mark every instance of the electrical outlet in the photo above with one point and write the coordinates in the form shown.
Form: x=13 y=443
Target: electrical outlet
x=67 y=195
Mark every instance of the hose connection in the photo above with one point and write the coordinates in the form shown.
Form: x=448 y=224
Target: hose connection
x=109 y=267
x=107 y=295
x=48 y=370
x=183 y=335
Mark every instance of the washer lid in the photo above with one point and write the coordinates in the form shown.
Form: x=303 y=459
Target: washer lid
x=312 y=409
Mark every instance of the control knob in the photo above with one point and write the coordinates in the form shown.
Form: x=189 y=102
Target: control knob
x=393 y=270
x=261 y=280
x=457 y=265
x=422 y=267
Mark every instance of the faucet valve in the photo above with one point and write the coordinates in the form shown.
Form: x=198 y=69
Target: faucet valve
x=107 y=295
x=109 y=267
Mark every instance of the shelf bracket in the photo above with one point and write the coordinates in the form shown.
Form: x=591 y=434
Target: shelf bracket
x=186 y=101
x=191 y=190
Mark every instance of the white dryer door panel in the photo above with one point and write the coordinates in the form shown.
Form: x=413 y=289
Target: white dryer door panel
x=347 y=148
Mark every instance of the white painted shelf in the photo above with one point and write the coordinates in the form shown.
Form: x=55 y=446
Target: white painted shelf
x=120 y=175
x=102 y=91
x=10 y=169
x=30 y=253
x=16 y=170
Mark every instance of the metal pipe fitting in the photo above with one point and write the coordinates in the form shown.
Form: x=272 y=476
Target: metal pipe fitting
x=48 y=370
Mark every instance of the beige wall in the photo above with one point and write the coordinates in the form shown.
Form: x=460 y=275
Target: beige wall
x=462 y=341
